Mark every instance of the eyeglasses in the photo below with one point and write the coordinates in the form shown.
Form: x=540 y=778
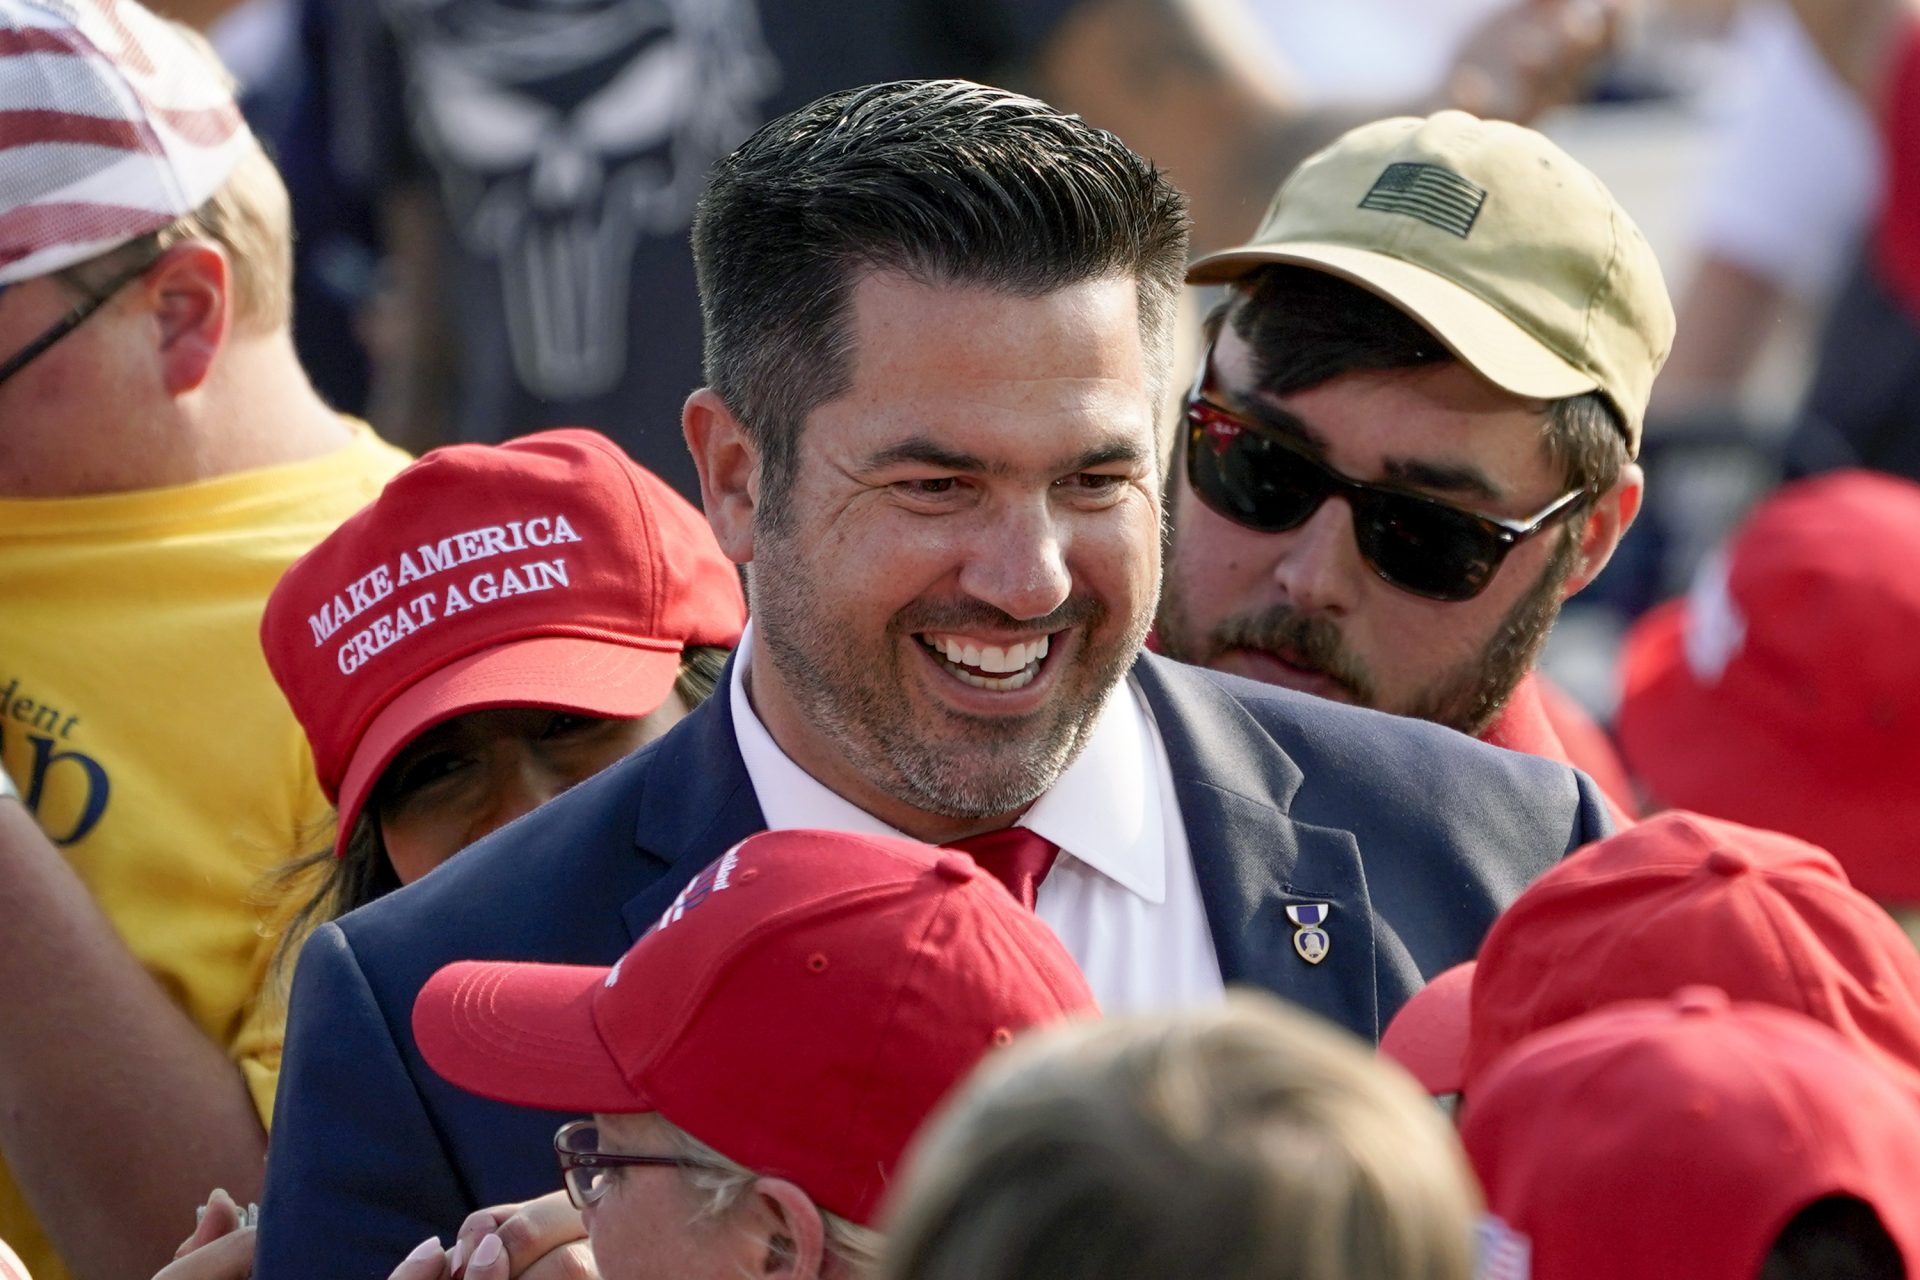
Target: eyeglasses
x=1415 y=543
x=91 y=301
x=587 y=1171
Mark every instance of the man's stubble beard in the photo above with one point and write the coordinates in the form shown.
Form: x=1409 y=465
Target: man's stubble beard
x=999 y=766
x=1474 y=695
x=1467 y=698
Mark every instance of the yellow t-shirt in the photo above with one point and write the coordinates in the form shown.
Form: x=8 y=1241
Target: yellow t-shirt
x=141 y=724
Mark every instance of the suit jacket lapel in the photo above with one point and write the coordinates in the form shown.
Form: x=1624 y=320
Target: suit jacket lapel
x=1253 y=860
x=695 y=803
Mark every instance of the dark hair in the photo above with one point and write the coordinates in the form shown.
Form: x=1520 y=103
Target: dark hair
x=943 y=180
x=363 y=872
x=1307 y=327
x=1838 y=1238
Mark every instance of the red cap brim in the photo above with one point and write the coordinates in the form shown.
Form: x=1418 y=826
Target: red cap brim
x=1428 y=1036
x=522 y=1034
x=566 y=673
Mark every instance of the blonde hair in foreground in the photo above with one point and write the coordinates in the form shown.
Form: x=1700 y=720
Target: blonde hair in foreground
x=1240 y=1142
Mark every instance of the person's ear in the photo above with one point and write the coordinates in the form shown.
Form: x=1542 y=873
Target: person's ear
x=189 y=290
x=1607 y=521
x=794 y=1233
x=729 y=467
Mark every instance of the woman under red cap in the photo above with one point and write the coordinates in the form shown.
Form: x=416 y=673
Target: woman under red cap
x=503 y=622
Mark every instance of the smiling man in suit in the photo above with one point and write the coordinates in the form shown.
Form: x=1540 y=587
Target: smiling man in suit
x=938 y=322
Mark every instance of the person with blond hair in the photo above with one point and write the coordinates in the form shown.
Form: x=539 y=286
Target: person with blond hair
x=164 y=459
x=1250 y=1140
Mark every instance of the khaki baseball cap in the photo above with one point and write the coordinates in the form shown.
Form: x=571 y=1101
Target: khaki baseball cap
x=1509 y=250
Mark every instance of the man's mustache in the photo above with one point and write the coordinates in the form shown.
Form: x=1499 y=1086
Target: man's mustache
x=977 y=615
x=1304 y=640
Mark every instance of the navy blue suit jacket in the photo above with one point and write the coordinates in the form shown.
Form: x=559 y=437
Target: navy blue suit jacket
x=1416 y=835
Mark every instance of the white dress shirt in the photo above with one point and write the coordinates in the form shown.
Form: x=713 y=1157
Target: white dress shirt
x=1121 y=896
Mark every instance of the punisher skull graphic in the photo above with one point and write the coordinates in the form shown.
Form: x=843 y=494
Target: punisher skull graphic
x=562 y=130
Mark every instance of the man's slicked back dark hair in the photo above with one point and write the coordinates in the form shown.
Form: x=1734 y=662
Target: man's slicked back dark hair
x=945 y=181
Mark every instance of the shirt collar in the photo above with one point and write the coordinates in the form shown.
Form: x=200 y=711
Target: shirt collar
x=1104 y=811
x=1522 y=724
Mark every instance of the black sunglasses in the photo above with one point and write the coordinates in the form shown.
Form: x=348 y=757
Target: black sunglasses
x=91 y=301
x=1416 y=543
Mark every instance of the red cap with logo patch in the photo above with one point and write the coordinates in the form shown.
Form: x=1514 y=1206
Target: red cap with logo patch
x=550 y=571
x=801 y=1007
x=1677 y=1138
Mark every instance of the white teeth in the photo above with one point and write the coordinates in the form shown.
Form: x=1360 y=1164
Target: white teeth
x=1017 y=663
x=1019 y=680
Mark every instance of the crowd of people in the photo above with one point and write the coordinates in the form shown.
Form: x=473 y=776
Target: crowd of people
x=936 y=823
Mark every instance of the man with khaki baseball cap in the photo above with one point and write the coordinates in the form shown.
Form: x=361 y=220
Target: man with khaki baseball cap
x=1452 y=326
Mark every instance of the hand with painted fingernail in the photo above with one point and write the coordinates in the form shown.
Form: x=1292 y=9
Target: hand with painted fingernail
x=541 y=1239
x=428 y=1261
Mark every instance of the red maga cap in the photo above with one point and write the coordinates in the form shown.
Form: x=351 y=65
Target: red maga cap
x=801 y=1008
x=1784 y=690
x=1673 y=1140
x=550 y=571
x=1682 y=899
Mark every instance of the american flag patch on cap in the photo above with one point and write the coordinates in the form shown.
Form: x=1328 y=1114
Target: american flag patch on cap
x=1436 y=196
x=112 y=124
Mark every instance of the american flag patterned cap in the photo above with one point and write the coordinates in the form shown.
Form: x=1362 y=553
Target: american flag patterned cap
x=113 y=123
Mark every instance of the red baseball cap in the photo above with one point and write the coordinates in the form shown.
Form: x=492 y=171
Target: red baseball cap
x=1682 y=899
x=1783 y=690
x=1675 y=1139
x=550 y=571
x=801 y=1007
x=1428 y=1036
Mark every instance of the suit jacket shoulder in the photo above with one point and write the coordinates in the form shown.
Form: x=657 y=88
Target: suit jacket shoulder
x=1411 y=835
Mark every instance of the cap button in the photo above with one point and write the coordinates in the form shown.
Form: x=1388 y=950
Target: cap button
x=1728 y=862
x=1700 y=1002
x=957 y=867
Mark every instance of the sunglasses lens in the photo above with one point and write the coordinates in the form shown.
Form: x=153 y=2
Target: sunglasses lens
x=1249 y=479
x=1267 y=486
x=1427 y=550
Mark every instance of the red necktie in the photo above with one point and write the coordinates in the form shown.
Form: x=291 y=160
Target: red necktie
x=1017 y=857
